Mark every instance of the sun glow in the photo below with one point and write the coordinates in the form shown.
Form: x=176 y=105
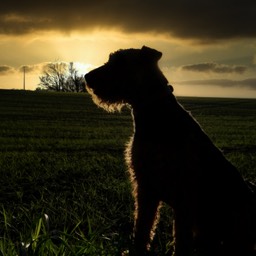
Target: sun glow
x=83 y=68
x=90 y=49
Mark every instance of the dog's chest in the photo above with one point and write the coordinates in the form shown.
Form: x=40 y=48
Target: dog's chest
x=153 y=156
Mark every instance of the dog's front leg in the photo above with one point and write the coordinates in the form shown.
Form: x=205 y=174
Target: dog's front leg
x=183 y=236
x=146 y=213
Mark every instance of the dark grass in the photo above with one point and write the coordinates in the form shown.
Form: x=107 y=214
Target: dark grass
x=64 y=189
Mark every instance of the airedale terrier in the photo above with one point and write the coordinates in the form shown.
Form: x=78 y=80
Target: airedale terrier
x=172 y=160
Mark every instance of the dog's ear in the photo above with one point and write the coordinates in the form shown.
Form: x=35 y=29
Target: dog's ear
x=151 y=54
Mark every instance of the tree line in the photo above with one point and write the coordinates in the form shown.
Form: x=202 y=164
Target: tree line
x=61 y=77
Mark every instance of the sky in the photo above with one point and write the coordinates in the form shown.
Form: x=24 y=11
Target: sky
x=209 y=47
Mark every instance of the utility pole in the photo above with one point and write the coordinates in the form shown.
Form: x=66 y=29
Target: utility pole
x=24 y=78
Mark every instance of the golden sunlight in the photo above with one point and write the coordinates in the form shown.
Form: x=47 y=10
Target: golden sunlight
x=83 y=68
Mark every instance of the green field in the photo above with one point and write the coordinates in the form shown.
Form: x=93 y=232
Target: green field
x=64 y=189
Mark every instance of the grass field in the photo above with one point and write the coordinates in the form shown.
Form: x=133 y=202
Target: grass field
x=64 y=189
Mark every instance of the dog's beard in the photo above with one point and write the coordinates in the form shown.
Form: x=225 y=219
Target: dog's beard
x=105 y=104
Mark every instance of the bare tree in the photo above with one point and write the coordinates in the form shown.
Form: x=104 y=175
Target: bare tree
x=75 y=83
x=60 y=76
x=54 y=77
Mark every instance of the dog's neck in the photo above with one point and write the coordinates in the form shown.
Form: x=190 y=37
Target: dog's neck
x=154 y=100
x=151 y=113
x=152 y=116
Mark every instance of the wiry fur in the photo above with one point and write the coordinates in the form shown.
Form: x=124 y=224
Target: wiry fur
x=172 y=160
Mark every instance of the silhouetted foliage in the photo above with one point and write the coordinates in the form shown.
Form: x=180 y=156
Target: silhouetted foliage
x=60 y=76
x=75 y=82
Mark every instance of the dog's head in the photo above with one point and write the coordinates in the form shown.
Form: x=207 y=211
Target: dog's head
x=128 y=76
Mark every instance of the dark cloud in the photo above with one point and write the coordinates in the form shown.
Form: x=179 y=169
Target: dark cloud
x=214 y=67
x=196 y=19
x=248 y=83
x=5 y=70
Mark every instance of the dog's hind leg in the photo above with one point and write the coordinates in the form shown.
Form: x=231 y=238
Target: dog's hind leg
x=146 y=217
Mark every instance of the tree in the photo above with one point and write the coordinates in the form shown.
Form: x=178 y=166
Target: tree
x=54 y=77
x=60 y=76
x=75 y=83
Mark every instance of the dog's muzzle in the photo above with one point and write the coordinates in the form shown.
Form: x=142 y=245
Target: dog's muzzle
x=87 y=78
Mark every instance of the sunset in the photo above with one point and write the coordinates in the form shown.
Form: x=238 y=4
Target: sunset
x=209 y=48
x=127 y=127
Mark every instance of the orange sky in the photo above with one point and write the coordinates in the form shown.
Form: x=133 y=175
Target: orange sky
x=209 y=47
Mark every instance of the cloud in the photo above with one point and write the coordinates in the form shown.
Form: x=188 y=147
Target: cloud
x=254 y=60
x=32 y=69
x=197 y=19
x=248 y=83
x=36 y=68
x=39 y=68
x=214 y=67
x=5 y=70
